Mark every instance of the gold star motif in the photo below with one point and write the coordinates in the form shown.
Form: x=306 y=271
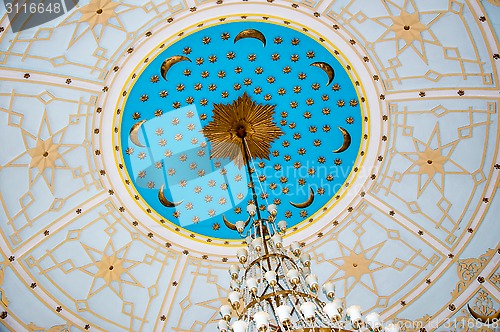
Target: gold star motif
x=111 y=266
x=429 y=160
x=356 y=263
x=98 y=12
x=407 y=27
x=44 y=154
x=409 y=31
x=243 y=114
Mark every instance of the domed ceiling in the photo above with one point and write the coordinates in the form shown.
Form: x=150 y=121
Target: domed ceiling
x=282 y=79
x=381 y=154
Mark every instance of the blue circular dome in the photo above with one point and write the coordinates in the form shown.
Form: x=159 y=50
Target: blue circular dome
x=315 y=106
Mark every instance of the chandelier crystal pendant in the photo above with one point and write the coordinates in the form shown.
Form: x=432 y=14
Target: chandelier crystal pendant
x=273 y=288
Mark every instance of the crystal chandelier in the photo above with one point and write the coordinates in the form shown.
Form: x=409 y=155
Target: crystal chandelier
x=273 y=288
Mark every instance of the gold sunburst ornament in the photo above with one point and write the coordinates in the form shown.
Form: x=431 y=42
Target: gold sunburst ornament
x=243 y=119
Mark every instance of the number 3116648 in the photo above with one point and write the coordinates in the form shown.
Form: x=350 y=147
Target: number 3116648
x=33 y=8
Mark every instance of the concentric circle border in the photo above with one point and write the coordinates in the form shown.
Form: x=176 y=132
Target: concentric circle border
x=351 y=55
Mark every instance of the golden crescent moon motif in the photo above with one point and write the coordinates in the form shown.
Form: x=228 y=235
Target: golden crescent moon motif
x=232 y=226
x=484 y=319
x=251 y=33
x=229 y=224
x=347 y=141
x=305 y=204
x=169 y=62
x=164 y=201
x=134 y=133
x=327 y=69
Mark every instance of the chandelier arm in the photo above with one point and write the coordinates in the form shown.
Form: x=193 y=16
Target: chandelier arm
x=302 y=296
x=247 y=233
x=281 y=266
x=280 y=276
x=278 y=284
x=294 y=304
x=273 y=227
x=276 y=327
x=292 y=297
x=298 y=312
x=263 y=297
x=278 y=266
x=269 y=225
x=272 y=307
x=237 y=313
x=277 y=262
x=265 y=289
x=256 y=261
x=264 y=242
x=255 y=225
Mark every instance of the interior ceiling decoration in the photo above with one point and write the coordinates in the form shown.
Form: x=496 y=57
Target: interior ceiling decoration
x=302 y=118
x=412 y=231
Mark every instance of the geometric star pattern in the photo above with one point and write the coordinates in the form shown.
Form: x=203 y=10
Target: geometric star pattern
x=432 y=161
x=45 y=152
x=407 y=28
x=98 y=12
x=97 y=16
x=113 y=269
x=357 y=262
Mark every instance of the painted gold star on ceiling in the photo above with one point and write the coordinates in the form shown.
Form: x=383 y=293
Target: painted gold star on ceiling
x=357 y=262
x=408 y=27
x=98 y=12
x=430 y=162
x=228 y=120
x=44 y=154
x=109 y=268
x=429 y=159
x=95 y=17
